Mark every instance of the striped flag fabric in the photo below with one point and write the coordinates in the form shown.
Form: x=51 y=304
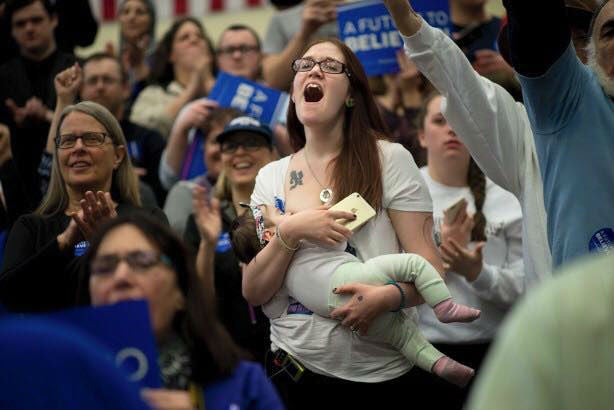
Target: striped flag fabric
x=106 y=10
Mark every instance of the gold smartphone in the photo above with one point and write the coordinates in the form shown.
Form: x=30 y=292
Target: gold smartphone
x=452 y=211
x=354 y=203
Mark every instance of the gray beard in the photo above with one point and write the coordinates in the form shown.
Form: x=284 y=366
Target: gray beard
x=606 y=82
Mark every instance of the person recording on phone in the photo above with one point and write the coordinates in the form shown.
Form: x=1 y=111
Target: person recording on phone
x=333 y=267
x=481 y=247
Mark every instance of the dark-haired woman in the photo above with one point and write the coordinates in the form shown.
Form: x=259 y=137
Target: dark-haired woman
x=339 y=138
x=139 y=258
x=481 y=247
x=183 y=69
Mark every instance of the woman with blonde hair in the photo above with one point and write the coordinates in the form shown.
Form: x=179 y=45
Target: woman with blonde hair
x=92 y=180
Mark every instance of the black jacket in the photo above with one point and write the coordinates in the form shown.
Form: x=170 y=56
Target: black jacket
x=248 y=326
x=36 y=275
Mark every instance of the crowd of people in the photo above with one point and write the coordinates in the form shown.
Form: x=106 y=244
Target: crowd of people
x=486 y=159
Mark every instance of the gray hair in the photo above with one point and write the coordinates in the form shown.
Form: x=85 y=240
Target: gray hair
x=125 y=184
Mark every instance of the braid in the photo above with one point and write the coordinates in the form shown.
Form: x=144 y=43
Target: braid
x=477 y=184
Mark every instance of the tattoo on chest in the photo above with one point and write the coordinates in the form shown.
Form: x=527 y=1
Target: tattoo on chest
x=296 y=179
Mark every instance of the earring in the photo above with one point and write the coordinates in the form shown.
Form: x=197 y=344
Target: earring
x=349 y=102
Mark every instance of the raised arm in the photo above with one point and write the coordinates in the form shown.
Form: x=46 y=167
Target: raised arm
x=276 y=67
x=485 y=116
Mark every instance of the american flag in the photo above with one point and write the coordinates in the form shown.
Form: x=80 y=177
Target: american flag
x=106 y=10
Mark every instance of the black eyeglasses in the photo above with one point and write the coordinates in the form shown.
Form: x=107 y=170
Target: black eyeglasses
x=329 y=65
x=89 y=139
x=139 y=261
x=251 y=144
x=243 y=49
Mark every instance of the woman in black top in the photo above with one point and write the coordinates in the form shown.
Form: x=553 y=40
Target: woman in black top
x=92 y=180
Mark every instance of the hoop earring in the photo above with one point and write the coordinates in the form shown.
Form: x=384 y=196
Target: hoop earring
x=349 y=102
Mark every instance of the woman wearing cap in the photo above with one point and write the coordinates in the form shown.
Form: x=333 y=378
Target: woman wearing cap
x=339 y=137
x=246 y=146
x=138 y=258
x=92 y=180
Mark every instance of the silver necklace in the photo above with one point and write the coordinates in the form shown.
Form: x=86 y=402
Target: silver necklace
x=326 y=194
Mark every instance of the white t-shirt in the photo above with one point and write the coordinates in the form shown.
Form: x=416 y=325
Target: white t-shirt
x=501 y=281
x=323 y=345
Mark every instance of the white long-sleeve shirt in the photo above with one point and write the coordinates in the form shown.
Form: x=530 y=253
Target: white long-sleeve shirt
x=496 y=131
x=501 y=281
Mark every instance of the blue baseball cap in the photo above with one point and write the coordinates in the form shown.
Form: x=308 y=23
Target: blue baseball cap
x=245 y=124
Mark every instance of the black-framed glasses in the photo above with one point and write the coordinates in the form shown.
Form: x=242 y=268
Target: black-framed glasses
x=243 y=49
x=329 y=65
x=139 y=261
x=89 y=139
x=250 y=144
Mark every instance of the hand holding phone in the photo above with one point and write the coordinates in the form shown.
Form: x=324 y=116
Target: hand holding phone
x=355 y=204
x=451 y=213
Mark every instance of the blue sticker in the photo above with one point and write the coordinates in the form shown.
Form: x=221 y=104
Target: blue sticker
x=296 y=308
x=279 y=204
x=602 y=241
x=81 y=248
x=223 y=243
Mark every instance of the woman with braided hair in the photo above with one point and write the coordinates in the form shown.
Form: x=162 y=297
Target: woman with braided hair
x=478 y=227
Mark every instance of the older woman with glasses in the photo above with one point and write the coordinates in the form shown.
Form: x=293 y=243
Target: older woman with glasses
x=92 y=181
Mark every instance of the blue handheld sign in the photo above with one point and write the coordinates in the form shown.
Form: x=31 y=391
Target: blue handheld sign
x=255 y=100
x=368 y=29
x=125 y=329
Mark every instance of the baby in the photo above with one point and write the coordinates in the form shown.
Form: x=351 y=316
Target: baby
x=315 y=272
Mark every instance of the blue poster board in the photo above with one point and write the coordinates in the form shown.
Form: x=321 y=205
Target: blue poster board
x=255 y=100
x=125 y=329
x=368 y=29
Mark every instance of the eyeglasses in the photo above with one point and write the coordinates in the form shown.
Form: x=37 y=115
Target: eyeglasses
x=139 y=261
x=243 y=49
x=329 y=65
x=89 y=139
x=251 y=144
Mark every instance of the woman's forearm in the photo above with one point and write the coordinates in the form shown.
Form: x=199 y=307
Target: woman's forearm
x=265 y=274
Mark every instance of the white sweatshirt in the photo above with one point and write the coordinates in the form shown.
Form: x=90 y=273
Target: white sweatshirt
x=501 y=281
x=496 y=131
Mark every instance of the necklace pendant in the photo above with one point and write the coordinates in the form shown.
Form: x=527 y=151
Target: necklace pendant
x=326 y=195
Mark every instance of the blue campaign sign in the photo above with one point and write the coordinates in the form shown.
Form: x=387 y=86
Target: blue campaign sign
x=368 y=29
x=125 y=329
x=255 y=100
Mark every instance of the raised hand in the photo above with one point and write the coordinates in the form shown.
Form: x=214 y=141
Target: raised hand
x=67 y=84
x=317 y=13
x=458 y=259
x=207 y=215
x=459 y=228
x=405 y=18
x=194 y=114
x=95 y=210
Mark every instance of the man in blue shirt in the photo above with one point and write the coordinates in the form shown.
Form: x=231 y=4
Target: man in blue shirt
x=571 y=110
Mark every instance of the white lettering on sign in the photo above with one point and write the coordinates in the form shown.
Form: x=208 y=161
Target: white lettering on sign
x=241 y=98
x=374 y=41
